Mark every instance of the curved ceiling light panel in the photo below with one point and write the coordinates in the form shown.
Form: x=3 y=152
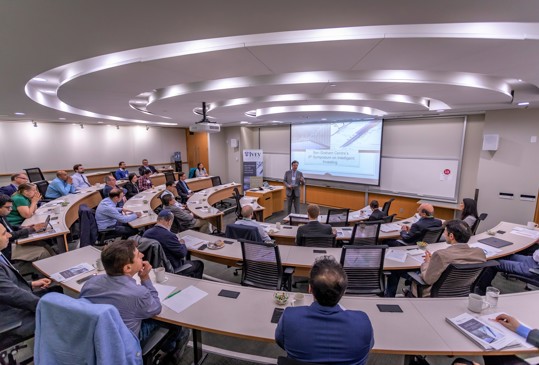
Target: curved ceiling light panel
x=45 y=93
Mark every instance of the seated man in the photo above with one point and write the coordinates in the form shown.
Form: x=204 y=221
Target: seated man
x=185 y=218
x=314 y=226
x=182 y=188
x=247 y=214
x=514 y=264
x=79 y=180
x=31 y=251
x=110 y=183
x=325 y=332
x=144 y=181
x=170 y=189
x=61 y=186
x=414 y=233
x=17 y=301
x=136 y=303
x=175 y=251
x=376 y=214
x=16 y=180
x=121 y=173
x=145 y=166
x=109 y=215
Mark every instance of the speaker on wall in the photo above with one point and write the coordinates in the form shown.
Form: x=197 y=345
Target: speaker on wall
x=491 y=142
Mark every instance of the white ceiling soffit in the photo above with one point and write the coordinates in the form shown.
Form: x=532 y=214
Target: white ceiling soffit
x=408 y=86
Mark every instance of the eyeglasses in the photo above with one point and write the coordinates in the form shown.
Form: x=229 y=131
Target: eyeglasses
x=10 y=207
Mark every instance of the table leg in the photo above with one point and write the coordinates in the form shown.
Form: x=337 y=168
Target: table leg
x=198 y=356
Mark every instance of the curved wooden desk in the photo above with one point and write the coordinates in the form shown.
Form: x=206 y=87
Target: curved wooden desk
x=301 y=258
x=420 y=329
x=61 y=221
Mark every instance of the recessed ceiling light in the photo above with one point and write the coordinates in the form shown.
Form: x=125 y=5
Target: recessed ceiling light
x=440 y=110
x=524 y=103
x=520 y=80
x=19 y=113
x=61 y=118
x=332 y=85
x=39 y=79
x=244 y=122
x=74 y=123
x=324 y=118
x=99 y=122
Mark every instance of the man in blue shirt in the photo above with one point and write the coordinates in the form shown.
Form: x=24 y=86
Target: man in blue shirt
x=79 y=180
x=62 y=185
x=325 y=332
x=121 y=173
x=108 y=215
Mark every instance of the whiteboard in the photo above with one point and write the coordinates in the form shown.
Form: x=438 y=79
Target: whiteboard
x=276 y=164
x=421 y=177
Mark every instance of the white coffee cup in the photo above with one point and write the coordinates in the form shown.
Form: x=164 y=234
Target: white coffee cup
x=532 y=225
x=476 y=303
x=99 y=265
x=57 y=210
x=160 y=274
x=278 y=225
x=298 y=297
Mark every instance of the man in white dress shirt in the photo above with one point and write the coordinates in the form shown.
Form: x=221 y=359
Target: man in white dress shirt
x=79 y=180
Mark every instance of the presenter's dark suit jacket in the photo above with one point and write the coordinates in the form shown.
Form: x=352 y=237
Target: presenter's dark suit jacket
x=17 y=302
x=174 y=250
x=377 y=215
x=313 y=228
x=288 y=180
x=416 y=230
x=318 y=334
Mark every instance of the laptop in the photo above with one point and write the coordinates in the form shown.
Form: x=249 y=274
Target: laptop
x=495 y=242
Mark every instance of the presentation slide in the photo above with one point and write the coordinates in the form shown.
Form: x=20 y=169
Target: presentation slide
x=343 y=151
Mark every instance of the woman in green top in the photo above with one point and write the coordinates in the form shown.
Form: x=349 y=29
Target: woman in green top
x=24 y=203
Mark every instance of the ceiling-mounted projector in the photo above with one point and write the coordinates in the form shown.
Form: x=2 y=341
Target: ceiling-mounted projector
x=205 y=125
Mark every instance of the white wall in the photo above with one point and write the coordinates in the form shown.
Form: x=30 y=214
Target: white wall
x=513 y=168
x=57 y=146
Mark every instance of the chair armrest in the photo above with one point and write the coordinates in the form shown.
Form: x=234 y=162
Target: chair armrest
x=183 y=268
x=535 y=271
x=10 y=326
x=289 y=270
x=155 y=338
x=415 y=276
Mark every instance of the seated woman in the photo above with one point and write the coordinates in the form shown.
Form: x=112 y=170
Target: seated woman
x=200 y=171
x=469 y=211
x=131 y=186
x=24 y=203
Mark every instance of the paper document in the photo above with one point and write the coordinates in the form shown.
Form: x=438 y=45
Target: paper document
x=184 y=299
x=192 y=242
x=390 y=227
x=415 y=252
x=522 y=231
x=298 y=215
x=72 y=272
x=163 y=290
x=396 y=255
x=488 y=250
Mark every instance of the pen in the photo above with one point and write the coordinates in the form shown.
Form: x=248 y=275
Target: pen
x=172 y=294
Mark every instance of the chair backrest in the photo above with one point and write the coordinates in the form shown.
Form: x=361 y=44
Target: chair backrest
x=169 y=176
x=296 y=221
x=389 y=218
x=337 y=217
x=34 y=174
x=240 y=231
x=88 y=226
x=261 y=265
x=237 y=192
x=57 y=313
x=216 y=180
x=317 y=240
x=192 y=172
x=237 y=210
x=42 y=187
x=364 y=266
x=386 y=206
x=366 y=233
x=153 y=252
x=481 y=217
x=433 y=234
x=459 y=280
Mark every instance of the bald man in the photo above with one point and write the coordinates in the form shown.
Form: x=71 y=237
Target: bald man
x=247 y=214
x=414 y=233
x=62 y=185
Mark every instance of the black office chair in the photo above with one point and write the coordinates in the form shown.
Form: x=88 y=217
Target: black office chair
x=531 y=282
x=262 y=267
x=317 y=240
x=42 y=188
x=89 y=234
x=457 y=280
x=296 y=221
x=216 y=181
x=389 y=218
x=153 y=253
x=366 y=233
x=481 y=217
x=364 y=266
x=240 y=231
x=386 y=206
x=10 y=349
x=34 y=174
x=281 y=360
x=338 y=217
x=237 y=210
x=433 y=234
x=169 y=176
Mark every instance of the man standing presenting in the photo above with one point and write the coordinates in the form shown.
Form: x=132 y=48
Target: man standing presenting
x=79 y=180
x=292 y=180
x=325 y=332
x=62 y=185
